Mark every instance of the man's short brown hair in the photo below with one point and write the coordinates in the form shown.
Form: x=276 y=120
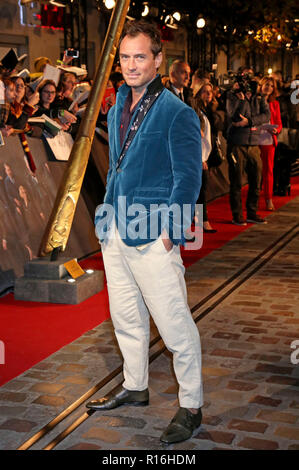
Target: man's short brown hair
x=135 y=27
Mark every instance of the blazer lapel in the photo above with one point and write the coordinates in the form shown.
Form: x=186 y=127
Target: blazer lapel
x=120 y=101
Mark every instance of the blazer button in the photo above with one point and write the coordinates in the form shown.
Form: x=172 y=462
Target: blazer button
x=119 y=170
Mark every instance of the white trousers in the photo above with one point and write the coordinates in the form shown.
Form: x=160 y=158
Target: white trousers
x=151 y=280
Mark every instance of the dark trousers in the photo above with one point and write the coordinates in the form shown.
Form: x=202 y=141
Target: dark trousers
x=245 y=158
x=202 y=195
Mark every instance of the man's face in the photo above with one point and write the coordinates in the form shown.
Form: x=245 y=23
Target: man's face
x=180 y=76
x=138 y=64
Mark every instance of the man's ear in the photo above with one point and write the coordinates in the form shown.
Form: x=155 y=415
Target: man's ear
x=158 y=60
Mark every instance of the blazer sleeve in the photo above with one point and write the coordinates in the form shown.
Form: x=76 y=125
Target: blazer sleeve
x=184 y=139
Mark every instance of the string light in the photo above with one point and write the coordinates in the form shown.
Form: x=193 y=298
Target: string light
x=146 y=10
x=200 y=23
x=177 y=16
x=109 y=4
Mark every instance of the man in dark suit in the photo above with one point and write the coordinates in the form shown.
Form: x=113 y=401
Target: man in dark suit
x=179 y=78
x=155 y=161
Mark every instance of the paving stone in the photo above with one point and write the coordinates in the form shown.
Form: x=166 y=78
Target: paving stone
x=99 y=349
x=248 y=323
x=289 y=433
x=103 y=434
x=248 y=303
x=282 y=380
x=254 y=330
x=84 y=446
x=249 y=426
x=258 y=444
x=284 y=313
x=162 y=413
x=76 y=379
x=18 y=425
x=267 y=401
x=211 y=420
x=225 y=353
x=12 y=396
x=265 y=357
x=215 y=371
x=263 y=340
x=277 y=416
x=226 y=335
x=48 y=400
x=40 y=375
x=220 y=437
x=266 y=318
x=122 y=422
x=47 y=388
x=12 y=410
x=273 y=369
x=294 y=404
x=242 y=386
x=239 y=345
x=145 y=442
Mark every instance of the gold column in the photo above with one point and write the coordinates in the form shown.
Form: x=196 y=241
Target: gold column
x=60 y=222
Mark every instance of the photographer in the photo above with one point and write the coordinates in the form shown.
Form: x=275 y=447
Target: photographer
x=246 y=111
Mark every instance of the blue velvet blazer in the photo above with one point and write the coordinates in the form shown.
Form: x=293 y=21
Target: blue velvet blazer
x=163 y=165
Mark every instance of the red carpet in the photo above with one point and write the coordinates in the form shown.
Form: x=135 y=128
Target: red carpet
x=32 y=331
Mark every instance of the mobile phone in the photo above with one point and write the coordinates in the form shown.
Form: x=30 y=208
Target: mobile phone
x=72 y=53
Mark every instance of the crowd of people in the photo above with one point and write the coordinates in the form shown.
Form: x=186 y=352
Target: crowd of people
x=249 y=114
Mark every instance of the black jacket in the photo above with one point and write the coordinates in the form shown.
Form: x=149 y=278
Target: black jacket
x=256 y=110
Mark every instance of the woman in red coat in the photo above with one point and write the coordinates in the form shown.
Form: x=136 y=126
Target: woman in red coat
x=268 y=142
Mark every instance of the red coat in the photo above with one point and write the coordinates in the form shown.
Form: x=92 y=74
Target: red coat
x=275 y=118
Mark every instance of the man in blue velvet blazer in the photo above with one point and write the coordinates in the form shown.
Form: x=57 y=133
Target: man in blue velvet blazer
x=154 y=175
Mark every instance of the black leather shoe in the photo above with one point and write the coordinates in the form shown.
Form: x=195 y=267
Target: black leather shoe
x=120 y=397
x=182 y=426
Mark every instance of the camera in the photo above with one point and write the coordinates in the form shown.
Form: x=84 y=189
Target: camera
x=72 y=53
x=246 y=84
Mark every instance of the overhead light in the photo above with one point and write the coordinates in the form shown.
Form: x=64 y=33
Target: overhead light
x=270 y=71
x=250 y=32
x=200 y=22
x=279 y=37
x=109 y=4
x=146 y=10
x=177 y=16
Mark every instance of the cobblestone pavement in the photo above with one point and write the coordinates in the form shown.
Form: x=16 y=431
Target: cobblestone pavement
x=250 y=383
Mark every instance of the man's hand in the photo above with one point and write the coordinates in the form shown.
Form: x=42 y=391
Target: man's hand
x=166 y=241
x=242 y=123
